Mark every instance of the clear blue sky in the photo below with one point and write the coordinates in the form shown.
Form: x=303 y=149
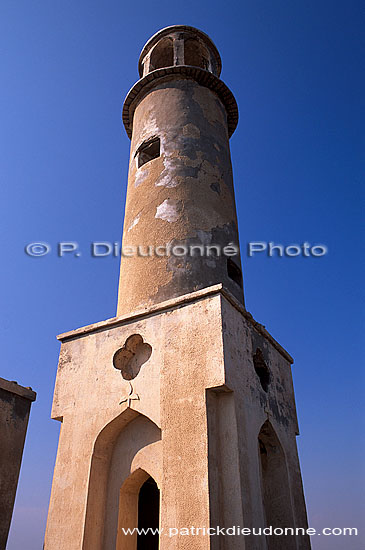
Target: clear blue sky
x=295 y=70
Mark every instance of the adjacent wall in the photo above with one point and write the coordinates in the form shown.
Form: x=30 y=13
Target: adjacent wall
x=15 y=402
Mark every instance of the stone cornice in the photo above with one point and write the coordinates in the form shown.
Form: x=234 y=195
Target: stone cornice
x=14 y=387
x=204 y=78
x=170 y=304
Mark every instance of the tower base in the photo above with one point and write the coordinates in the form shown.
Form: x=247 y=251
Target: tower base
x=200 y=399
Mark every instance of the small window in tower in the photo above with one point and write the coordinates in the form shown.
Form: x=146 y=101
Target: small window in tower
x=149 y=150
x=262 y=370
x=234 y=272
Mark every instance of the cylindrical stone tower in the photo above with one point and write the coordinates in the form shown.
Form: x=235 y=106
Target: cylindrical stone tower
x=180 y=229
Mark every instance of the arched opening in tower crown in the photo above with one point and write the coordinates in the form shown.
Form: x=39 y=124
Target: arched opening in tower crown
x=196 y=54
x=148 y=515
x=162 y=55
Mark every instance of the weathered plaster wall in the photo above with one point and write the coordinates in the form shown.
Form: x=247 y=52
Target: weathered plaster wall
x=253 y=407
x=169 y=390
x=15 y=402
x=199 y=388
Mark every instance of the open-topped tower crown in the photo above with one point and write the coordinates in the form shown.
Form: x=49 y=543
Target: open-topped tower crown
x=180 y=51
x=179 y=45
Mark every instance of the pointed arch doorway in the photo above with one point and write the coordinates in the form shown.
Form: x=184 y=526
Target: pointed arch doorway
x=148 y=515
x=276 y=497
x=139 y=506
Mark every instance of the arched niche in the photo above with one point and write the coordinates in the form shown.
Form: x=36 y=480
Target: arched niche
x=162 y=54
x=196 y=54
x=276 y=497
x=126 y=449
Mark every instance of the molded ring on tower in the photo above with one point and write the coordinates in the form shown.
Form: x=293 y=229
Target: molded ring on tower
x=205 y=78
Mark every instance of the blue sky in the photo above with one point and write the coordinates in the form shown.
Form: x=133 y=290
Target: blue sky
x=295 y=70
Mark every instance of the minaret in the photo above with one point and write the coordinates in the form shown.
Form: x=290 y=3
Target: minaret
x=179 y=413
x=179 y=117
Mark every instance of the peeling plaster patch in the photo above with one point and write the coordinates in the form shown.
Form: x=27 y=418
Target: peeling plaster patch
x=191 y=130
x=169 y=210
x=210 y=169
x=134 y=222
x=176 y=169
x=168 y=181
x=167 y=178
x=140 y=176
x=150 y=128
x=205 y=237
x=216 y=187
x=193 y=272
x=211 y=263
x=194 y=163
x=214 y=116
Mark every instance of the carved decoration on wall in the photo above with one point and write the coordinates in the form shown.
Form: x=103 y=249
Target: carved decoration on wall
x=129 y=360
x=132 y=396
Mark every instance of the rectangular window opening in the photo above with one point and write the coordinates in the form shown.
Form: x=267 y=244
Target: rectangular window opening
x=234 y=272
x=149 y=150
